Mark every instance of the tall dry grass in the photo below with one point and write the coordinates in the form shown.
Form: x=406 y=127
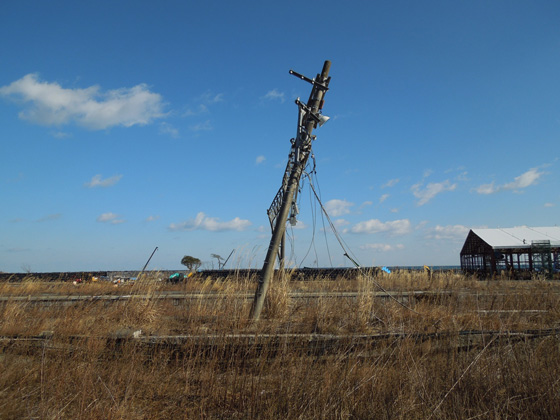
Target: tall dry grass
x=91 y=367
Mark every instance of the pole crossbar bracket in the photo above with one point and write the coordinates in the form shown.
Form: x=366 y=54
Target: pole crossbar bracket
x=323 y=86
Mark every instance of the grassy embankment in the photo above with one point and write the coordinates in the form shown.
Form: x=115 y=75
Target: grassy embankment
x=417 y=363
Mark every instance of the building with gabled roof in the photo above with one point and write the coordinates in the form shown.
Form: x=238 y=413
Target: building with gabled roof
x=518 y=251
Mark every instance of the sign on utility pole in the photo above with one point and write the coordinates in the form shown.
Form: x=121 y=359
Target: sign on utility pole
x=284 y=205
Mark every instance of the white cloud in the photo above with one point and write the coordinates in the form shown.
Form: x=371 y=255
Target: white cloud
x=260 y=159
x=486 y=189
x=524 y=180
x=299 y=225
x=274 y=94
x=50 y=104
x=431 y=190
x=383 y=198
x=549 y=204
x=152 y=218
x=453 y=232
x=341 y=222
x=382 y=247
x=203 y=222
x=337 y=208
x=97 y=181
x=391 y=183
x=110 y=218
x=364 y=205
x=395 y=227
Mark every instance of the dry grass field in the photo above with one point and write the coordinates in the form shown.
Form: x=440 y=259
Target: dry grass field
x=465 y=349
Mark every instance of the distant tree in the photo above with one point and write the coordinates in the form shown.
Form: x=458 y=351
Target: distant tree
x=219 y=260
x=191 y=263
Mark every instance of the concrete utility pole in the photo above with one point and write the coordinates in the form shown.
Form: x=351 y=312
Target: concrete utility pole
x=284 y=205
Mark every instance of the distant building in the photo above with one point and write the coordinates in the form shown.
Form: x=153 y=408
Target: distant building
x=518 y=251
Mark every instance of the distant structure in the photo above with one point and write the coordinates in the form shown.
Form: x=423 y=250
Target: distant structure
x=518 y=252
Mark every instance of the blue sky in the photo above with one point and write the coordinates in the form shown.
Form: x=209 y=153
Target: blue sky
x=132 y=124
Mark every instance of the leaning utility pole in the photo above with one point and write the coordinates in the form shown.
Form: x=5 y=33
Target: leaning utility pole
x=147 y=262
x=309 y=116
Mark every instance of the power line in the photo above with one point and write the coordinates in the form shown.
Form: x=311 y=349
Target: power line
x=345 y=248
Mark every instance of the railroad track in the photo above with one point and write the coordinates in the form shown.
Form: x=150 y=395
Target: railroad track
x=270 y=345
x=178 y=297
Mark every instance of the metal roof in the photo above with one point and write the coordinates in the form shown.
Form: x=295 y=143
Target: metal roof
x=518 y=237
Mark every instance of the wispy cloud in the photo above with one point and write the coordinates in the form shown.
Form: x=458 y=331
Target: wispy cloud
x=111 y=218
x=337 y=207
x=48 y=103
x=17 y=250
x=61 y=134
x=197 y=110
x=383 y=198
x=210 y=98
x=520 y=182
x=152 y=218
x=203 y=104
x=382 y=247
x=549 y=204
x=364 y=205
x=427 y=193
x=203 y=222
x=394 y=227
x=50 y=217
x=275 y=95
x=260 y=159
x=391 y=183
x=168 y=129
x=202 y=126
x=98 y=181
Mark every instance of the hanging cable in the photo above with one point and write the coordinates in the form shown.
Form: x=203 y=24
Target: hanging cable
x=313 y=216
x=314 y=173
x=346 y=253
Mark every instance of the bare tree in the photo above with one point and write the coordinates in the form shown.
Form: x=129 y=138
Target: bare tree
x=220 y=264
